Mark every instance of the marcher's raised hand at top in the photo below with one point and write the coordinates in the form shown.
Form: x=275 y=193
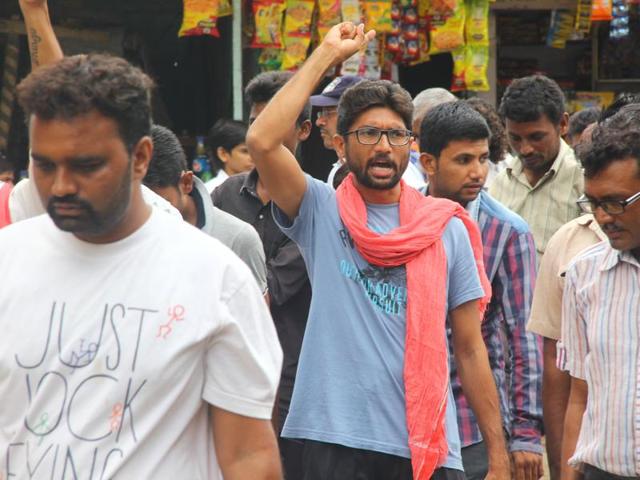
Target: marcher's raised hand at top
x=345 y=39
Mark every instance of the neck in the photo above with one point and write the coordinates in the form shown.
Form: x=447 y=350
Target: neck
x=262 y=192
x=379 y=197
x=135 y=216
x=190 y=212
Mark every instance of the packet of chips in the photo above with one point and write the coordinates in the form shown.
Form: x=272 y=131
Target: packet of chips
x=377 y=15
x=200 y=17
x=477 y=22
x=561 y=28
x=270 y=59
x=477 y=61
x=297 y=32
x=459 y=56
x=583 y=17
x=601 y=10
x=444 y=7
x=351 y=11
x=329 y=14
x=268 y=19
x=225 y=9
x=447 y=33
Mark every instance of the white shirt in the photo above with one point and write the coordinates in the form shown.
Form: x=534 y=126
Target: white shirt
x=215 y=181
x=110 y=354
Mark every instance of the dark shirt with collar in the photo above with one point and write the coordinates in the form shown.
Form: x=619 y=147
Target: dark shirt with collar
x=287 y=280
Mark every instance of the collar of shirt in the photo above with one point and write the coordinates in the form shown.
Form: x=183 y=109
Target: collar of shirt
x=516 y=170
x=613 y=257
x=589 y=221
x=250 y=183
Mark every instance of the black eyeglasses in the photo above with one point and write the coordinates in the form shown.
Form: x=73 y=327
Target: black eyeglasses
x=371 y=136
x=612 y=207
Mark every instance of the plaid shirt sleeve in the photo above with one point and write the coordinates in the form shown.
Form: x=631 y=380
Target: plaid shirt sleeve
x=517 y=272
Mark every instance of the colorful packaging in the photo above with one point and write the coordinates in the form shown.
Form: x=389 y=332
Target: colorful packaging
x=561 y=28
x=270 y=59
x=475 y=75
x=297 y=32
x=459 y=56
x=447 y=33
x=583 y=17
x=377 y=15
x=225 y=9
x=351 y=11
x=601 y=11
x=477 y=22
x=329 y=14
x=200 y=17
x=268 y=21
x=444 y=7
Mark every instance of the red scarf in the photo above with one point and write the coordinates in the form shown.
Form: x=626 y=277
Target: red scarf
x=417 y=243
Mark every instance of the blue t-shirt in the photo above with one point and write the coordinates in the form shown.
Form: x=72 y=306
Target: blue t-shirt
x=349 y=387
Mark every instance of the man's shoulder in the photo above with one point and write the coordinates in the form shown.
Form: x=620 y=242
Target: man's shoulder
x=502 y=214
x=25 y=231
x=589 y=258
x=228 y=229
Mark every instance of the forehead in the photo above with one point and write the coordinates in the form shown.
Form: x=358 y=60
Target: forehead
x=84 y=135
x=380 y=117
x=621 y=178
x=466 y=147
x=542 y=124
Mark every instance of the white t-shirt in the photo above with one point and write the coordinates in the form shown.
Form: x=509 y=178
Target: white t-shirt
x=215 y=181
x=110 y=354
x=24 y=202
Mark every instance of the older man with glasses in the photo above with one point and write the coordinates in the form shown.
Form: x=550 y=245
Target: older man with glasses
x=600 y=338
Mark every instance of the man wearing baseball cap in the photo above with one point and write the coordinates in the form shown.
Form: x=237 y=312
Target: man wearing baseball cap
x=327 y=121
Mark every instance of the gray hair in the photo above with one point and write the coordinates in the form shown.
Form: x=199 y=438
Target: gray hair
x=429 y=98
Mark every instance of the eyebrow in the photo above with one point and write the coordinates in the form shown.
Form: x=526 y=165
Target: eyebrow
x=80 y=160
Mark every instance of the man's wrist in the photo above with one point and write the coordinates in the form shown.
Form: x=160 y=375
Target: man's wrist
x=326 y=56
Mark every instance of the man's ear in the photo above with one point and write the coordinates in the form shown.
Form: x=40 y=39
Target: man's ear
x=222 y=154
x=304 y=130
x=340 y=146
x=564 y=124
x=186 y=182
x=141 y=156
x=429 y=163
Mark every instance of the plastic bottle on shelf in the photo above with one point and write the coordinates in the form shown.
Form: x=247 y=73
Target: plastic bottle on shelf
x=200 y=164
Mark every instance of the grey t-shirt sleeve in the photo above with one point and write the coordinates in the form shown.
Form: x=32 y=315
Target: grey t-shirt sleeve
x=248 y=246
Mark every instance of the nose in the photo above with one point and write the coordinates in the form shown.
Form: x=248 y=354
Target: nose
x=320 y=122
x=603 y=217
x=526 y=149
x=383 y=144
x=63 y=184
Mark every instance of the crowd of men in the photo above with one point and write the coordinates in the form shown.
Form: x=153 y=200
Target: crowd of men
x=464 y=284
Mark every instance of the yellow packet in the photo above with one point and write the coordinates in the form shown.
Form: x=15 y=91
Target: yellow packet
x=459 y=56
x=329 y=14
x=294 y=53
x=477 y=22
x=200 y=17
x=377 y=15
x=267 y=15
x=225 y=9
x=444 y=7
x=297 y=32
x=447 y=34
x=475 y=75
x=351 y=11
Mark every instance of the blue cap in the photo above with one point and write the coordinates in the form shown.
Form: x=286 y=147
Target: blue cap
x=331 y=94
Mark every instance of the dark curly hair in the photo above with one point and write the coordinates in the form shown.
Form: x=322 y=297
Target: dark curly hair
x=264 y=86
x=80 y=84
x=616 y=139
x=528 y=98
x=498 y=145
x=369 y=94
x=621 y=100
x=168 y=160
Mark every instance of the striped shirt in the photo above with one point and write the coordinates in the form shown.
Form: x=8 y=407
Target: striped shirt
x=550 y=203
x=600 y=344
x=509 y=260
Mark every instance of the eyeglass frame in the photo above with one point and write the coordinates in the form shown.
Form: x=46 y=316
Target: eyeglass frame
x=380 y=133
x=587 y=206
x=325 y=112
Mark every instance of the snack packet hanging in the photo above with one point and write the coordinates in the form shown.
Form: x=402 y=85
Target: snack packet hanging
x=200 y=17
x=377 y=15
x=601 y=11
x=447 y=33
x=225 y=9
x=329 y=14
x=477 y=22
x=351 y=11
x=475 y=75
x=297 y=32
x=583 y=17
x=459 y=56
x=444 y=7
x=270 y=59
x=268 y=19
x=561 y=28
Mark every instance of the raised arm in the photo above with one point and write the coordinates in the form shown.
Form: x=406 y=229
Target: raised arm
x=278 y=168
x=43 y=44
